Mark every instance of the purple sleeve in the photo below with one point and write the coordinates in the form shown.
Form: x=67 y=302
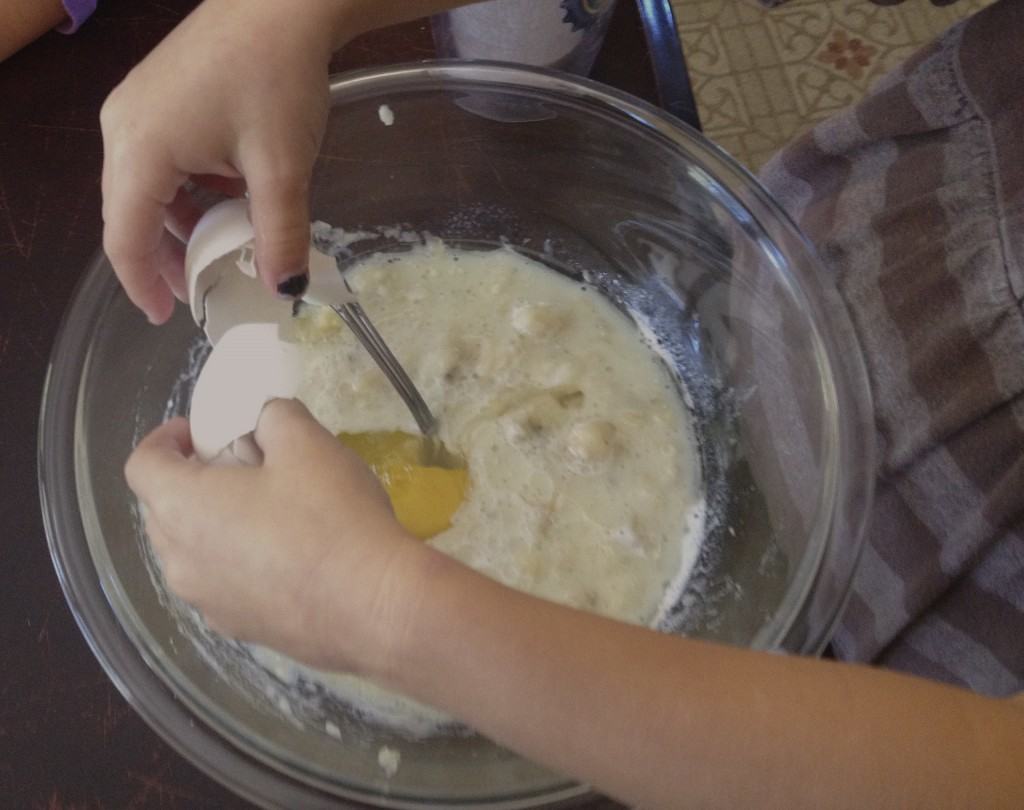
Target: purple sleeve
x=78 y=12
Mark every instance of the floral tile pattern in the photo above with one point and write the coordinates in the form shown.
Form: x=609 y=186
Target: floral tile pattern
x=847 y=54
x=764 y=74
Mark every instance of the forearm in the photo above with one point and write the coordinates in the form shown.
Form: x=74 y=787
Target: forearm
x=370 y=14
x=23 y=22
x=662 y=721
x=359 y=16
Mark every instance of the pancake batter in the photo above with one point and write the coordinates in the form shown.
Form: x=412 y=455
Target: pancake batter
x=584 y=483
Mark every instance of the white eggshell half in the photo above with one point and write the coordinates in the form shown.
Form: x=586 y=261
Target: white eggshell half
x=235 y=298
x=249 y=366
x=222 y=231
x=223 y=287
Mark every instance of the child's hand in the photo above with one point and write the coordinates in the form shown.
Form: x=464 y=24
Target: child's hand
x=238 y=91
x=302 y=553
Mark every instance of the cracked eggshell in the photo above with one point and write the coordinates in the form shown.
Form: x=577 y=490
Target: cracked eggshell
x=250 y=363
x=223 y=287
x=249 y=366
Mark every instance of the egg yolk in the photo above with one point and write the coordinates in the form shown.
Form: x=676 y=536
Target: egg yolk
x=424 y=497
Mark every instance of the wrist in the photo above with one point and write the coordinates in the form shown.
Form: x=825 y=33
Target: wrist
x=339 y=21
x=410 y=613
x=326 y=24
x=355 y=17
x=344 y=20
x=368 y=615
x=315 y=23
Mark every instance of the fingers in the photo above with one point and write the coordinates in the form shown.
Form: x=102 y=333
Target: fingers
x=139 y=258
x=182 y=215
x=279 y=202
x=134 y=206
x=286 y=427
x=169 y=263
x=162 y=463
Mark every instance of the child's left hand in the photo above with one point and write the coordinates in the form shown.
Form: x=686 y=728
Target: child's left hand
x=238 y=91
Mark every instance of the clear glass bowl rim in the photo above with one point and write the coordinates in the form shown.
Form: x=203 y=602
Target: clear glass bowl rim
x=131 y=669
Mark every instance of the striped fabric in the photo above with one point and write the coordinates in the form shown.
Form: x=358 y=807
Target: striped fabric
x=915 y=199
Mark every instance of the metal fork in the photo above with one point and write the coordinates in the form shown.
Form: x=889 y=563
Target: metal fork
x=355 y=317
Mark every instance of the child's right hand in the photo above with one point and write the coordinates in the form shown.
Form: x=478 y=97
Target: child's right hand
x=239 y=91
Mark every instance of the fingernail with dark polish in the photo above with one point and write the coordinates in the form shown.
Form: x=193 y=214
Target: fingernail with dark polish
x=293 y=287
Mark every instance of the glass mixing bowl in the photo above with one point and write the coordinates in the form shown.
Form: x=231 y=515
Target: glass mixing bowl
x=596 y=185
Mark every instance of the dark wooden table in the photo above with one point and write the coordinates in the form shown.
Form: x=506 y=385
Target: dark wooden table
x=68 y=740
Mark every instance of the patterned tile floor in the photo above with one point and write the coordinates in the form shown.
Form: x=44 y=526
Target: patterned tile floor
x=762 y=75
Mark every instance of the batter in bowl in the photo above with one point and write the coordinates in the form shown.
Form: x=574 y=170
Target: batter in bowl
x=583 y=477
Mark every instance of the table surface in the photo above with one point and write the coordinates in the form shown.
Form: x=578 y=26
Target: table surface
x=68 y=740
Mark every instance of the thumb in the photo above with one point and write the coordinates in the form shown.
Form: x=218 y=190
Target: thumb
x=162 y=468
x=287 y=429
x=279 y=205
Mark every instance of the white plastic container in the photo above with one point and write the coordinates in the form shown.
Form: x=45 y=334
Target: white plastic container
x=561 y=34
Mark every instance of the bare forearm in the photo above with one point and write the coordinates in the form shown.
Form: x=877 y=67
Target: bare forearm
x=22 y=22
x=359 y=16
x=662 y=721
